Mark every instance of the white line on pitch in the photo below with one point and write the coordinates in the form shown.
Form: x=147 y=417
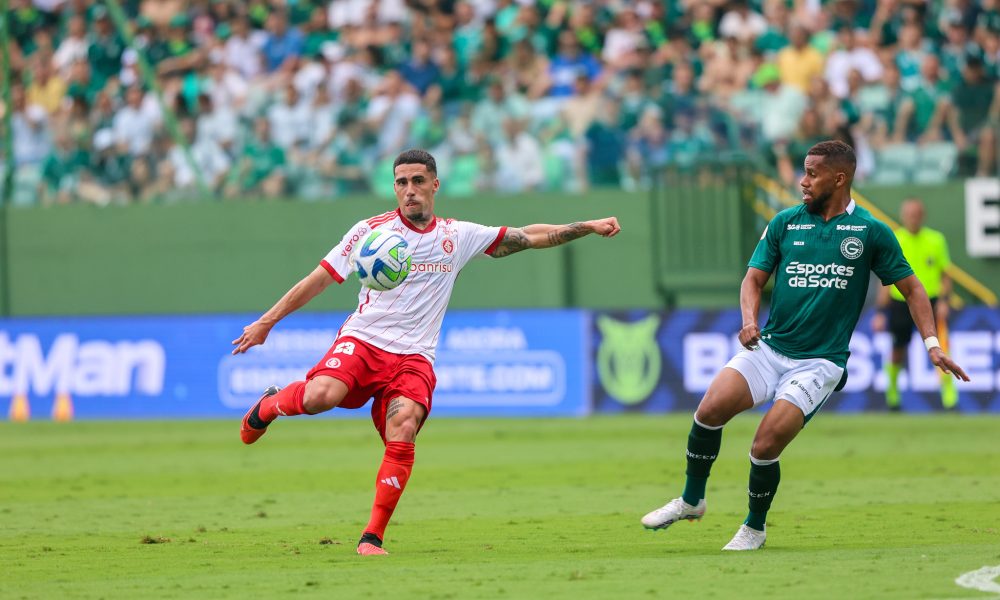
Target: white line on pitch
x=981 y=579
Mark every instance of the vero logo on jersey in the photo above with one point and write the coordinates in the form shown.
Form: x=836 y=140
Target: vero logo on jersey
x=808 y=275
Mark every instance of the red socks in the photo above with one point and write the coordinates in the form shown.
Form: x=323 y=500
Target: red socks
x=389 y=485
x=286 y=403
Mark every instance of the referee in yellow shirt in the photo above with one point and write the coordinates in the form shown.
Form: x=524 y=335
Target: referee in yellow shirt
x=927 y=252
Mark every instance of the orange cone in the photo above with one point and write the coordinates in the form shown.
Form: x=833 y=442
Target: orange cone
x=19 y=408
x=62 y=409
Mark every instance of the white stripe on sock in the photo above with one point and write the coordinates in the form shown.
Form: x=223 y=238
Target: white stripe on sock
x=761 y=462
x=703 y=426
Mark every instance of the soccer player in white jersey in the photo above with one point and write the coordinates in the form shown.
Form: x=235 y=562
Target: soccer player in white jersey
x=385 y=349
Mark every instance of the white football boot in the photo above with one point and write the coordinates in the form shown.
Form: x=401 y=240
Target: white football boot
x=746 y=539
x=675 y=510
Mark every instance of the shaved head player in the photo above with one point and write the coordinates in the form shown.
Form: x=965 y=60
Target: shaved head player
x=821 y=253
x=385 y=349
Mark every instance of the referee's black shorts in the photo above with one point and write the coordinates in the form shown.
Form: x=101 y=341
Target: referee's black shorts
x=901 y=324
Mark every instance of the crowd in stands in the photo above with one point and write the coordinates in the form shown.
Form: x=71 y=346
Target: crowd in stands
x=155 y=100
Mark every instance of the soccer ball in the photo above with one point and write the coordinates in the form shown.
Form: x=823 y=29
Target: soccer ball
x=383 y=260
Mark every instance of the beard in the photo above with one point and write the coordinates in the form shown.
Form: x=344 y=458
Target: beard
x=818 y=203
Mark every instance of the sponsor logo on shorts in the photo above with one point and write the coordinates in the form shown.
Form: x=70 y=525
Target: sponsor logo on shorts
x=851 y=248
x=796 y=383
x=333 y=363
x=760 y=495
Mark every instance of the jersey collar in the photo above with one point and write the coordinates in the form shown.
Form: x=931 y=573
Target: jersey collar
x=413 y=227
x=851 y=206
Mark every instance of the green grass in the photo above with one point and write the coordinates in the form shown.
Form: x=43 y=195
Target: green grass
x=869 y=507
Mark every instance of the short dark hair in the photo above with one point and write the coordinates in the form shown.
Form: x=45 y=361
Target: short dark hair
x=837 y=153
x=415 y=156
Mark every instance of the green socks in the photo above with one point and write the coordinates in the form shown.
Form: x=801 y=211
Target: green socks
x=949 y=393
x=764 y=478
x=702 y=449
x=892 y=390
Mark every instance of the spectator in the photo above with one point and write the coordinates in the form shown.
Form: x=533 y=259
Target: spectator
x=494 y=110
x=799 y=63
x=392 y=109
x=784 y=106
x=105 y=48
x=568 y=63
x=283 y=44
x=74 y=47
x=47 y=88
x=290 y=120
x=647 y=149
x=741 y=22
x=419 y=71
x=851 y=55
x=202 y=164
x=135 y=123
x=242 y=50
x=975 y=112
x=910 y=55
x=32 y=138
x=344 y=84
x=519 y=159
x=61 y=171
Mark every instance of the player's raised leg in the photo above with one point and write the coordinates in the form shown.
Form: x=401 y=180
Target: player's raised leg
x=403 y=418
x=727 y=396
x=311 y=397
x=778 y=428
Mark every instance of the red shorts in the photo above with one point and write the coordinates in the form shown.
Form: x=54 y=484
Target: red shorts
x=370 y=372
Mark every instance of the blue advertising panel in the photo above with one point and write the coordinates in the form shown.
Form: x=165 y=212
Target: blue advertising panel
x=489 y=363
x=658 y=361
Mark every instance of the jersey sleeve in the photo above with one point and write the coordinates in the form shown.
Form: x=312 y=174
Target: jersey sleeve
x=338 y=262
x=477 y=240
x=888 y=261
x=768 y=252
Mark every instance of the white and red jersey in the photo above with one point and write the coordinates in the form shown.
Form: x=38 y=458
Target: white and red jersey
x=407 y=319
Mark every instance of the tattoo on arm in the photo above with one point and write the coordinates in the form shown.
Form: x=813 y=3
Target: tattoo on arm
x=513 y=241
x=394 y=406
x=566 y=234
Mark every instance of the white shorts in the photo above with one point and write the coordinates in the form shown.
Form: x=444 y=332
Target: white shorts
x=806 y=383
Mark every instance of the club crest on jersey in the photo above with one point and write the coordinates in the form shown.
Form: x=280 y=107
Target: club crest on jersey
x=333 y=363
x=851 y=248
x=448 y=246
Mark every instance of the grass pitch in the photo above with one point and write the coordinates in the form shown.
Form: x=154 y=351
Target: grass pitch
x=869 y=507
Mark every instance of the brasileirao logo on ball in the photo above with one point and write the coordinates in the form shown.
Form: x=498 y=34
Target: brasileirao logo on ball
x=383 y=261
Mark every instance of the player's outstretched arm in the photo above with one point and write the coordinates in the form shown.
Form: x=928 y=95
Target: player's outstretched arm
x=301 y=293
x=920 y=309
x=547 y=236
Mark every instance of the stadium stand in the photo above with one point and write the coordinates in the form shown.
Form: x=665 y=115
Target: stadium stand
x=162 y=100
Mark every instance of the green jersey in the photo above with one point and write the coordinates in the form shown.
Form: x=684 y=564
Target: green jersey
x=821 y=278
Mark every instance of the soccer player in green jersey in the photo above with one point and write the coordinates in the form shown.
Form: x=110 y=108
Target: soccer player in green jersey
x=927 y=252
x=821 y=253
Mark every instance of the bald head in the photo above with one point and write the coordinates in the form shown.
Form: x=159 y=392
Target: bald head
x=911 y=213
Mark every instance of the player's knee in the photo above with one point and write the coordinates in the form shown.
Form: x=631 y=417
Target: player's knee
x=403 y=424
x=710 y=416
x=322 y=394
x=765 y=447
x=402 y=431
